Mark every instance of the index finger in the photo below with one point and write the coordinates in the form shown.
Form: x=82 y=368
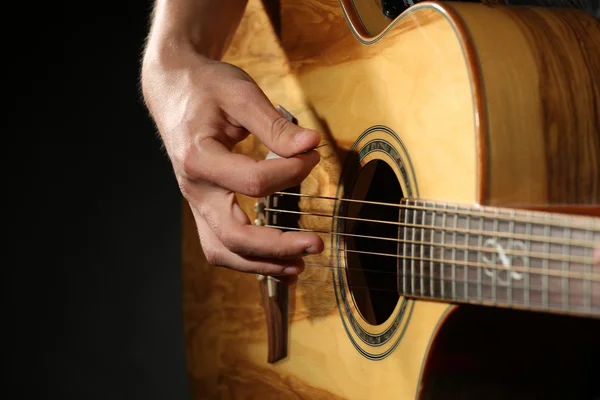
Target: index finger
x=239 y=173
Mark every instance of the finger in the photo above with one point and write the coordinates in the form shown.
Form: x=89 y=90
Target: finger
x=232 y=228
x=289 y=280
x=217 y=255
x=253 y=110
x=212 y=161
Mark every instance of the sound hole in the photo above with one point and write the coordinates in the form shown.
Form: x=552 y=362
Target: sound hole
x=373 y=278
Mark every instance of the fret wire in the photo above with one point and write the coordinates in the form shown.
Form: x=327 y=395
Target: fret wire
x=546 y=249
x=565 y=268
x=412 y=252
x=494 y=259
x=540 y=255
x=559 y=273
x=587 y=284
x=443 y=250
x=398 y=252
x=422 y=280
x=432 y=255
x=496 y=234
x=511 y=229
x=471 y=263
x=579 y=276
x=404 y=261
x=533 y=288
x=535 y=306
x=479 y=256
x=526 y=290
x=466 y=258
x=455 y=222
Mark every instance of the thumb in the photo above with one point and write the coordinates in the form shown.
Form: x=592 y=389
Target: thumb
x=281 y=136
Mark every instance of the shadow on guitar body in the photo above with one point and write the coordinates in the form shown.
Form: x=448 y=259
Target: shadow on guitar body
x=505 y=354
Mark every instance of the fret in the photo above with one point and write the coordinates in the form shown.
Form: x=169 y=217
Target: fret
x=479 y=256
x=528 y=266
x=546 y=245
x=412 y=248
x=511 y=230
x=443 y=251
x=494 y=260
x=422 y=263
x=399 y=253
x=466 y=259
x=454 y=224
x=587 y=283
x=565 y=267
x=431 y=255
x=527 y=289
x=404 y=260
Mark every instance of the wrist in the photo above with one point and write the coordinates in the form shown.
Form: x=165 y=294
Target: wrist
x=171 y=52
x=202 y=26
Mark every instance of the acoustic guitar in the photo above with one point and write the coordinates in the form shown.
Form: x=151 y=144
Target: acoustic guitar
x=458 y=197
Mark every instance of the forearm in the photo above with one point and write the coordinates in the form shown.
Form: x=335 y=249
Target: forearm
x=206 y=26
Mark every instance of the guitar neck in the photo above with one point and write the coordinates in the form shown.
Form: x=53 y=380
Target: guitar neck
x=499 y=257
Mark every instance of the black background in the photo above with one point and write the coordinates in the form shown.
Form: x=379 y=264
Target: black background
x=92 y=275
x=91 y=268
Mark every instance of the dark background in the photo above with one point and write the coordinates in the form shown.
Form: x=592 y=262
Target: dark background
x=92 y=287
x=91 y=269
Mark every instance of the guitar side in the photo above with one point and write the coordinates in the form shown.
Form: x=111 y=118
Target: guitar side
x=418 y=82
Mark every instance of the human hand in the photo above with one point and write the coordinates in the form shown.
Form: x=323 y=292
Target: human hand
x=202 y=108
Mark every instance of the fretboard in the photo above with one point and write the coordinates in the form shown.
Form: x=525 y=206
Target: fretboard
x=499 y=257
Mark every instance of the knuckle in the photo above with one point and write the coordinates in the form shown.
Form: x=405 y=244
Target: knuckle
x=185 y=187
x=256 y=184
x=231 y=242
x=260 y=269
x=278 y=127
x=188 y=159
x=188 y=163
x=246 y=86
x=212 y=255
x=243 y=92
x=279 y=250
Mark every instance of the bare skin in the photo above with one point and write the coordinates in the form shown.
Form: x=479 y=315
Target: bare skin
x=202 y=107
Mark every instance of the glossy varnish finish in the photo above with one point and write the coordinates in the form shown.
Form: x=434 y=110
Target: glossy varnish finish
x=552 y=91
x=416 y=81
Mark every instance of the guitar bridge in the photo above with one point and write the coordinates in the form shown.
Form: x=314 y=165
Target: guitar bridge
x=274 y=293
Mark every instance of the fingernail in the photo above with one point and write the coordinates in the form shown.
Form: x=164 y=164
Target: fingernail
x=290 y=270
x=300 y=137
x=310 y=250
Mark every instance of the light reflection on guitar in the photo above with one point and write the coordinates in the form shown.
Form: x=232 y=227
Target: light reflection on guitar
x=453 y=106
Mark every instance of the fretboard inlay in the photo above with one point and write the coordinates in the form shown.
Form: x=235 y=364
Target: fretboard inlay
x=499 y=257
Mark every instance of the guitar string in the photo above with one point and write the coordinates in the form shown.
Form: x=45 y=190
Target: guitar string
x=542 y=256
x=459 y=298
x=418 y=276
x=317 y=266
x=594 y=310
x=483 y=213
x=537 y=271
x=514 y=236
x=443 y=260
x=417 y=293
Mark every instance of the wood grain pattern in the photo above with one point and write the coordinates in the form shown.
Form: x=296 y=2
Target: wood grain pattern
x=276 y=312
x=416 y=81
x=552 y=93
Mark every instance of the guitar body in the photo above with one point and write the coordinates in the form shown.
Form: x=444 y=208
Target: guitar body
x=452 y=102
